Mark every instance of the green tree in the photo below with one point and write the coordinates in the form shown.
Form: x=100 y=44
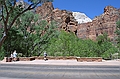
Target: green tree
x=105 y=46
x=63 y=45
x=103 y=38
x=11 y=10
x=103 y=43
x=44 y=33
x=13 y=41
x=36 y=33
x=118 y=36
x=86 y=48
x=26 y=25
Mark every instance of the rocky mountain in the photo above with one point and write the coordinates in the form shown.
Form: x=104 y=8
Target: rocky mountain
x=79 y=23
x=105 y=23
x=64 y=18
x=81 y=17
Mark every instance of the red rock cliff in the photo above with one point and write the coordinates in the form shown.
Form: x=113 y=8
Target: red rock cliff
x=64 y=18
x=105 y=23
x=100 y=24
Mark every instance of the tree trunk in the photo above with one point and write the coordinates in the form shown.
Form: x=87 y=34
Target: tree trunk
x=2 y=39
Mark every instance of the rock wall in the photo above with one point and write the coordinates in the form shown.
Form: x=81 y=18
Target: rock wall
x=65 y=20
x=105 y=23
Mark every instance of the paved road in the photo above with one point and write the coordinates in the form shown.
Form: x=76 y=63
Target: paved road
x=21 y=71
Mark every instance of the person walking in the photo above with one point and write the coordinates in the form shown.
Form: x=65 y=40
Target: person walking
x=14 y=55
x=45 y=56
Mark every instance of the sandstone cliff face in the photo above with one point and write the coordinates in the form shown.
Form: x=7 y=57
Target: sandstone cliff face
x=64 y=18
x=105 y=23
x=100 y=24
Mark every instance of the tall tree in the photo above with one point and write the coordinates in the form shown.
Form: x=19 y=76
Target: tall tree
x=10 y=10
x=36 y=33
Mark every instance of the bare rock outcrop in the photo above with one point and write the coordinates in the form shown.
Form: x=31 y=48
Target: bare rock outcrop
x=105 y=23
x=64 y=18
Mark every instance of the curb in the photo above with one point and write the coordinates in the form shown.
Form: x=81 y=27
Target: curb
x=63 y=62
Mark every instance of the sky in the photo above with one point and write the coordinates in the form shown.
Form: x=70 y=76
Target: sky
x=91 y=8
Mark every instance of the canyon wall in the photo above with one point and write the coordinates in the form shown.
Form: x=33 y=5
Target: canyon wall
x=105 y=23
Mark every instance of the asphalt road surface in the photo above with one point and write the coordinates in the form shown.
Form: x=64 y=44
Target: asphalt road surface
x=19 y=71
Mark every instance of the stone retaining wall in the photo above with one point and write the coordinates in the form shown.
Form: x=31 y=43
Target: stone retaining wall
x=57 y=58
x=26 y=58
x=9 y=59
x=79 y=59
x=89 y=59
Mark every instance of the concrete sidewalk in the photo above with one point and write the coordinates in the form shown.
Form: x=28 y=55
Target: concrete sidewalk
x=64 y=62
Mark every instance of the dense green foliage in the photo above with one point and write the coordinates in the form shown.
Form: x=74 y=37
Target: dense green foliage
x=67 y=44
x=118 y=34
x=2 y=53
x=11 y=10
x=30 y=35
